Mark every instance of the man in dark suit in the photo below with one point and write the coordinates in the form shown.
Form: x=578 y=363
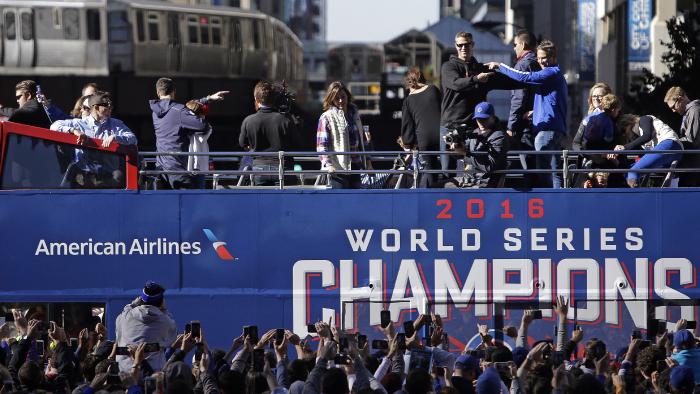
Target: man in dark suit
x=30 y=111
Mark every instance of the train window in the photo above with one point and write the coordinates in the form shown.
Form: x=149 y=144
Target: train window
x=93 y=24
x=118 y=26
x=10 y=27
x=204 y=30
x=71 y=24
x=258 y=34
x=153 y=27
x=236 y=36
x=56 y=18
x=27 y=26
x=192 y=29
x=374 y=64
x=216 y=31
x=140 y=29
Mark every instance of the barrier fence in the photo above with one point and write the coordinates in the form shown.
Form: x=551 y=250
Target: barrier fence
x=570 y=160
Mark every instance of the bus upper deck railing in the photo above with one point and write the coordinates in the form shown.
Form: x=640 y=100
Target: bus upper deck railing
x=284 y=159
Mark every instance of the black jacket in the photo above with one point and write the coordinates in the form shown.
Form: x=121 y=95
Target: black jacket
x=461 y=91
x=32 y=114
x=266 y=131
x=496 y=145
x=521 y=100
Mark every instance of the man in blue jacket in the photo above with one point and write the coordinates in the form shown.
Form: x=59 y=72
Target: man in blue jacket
x=173 y=124
x=549 y=109
x=521 y=100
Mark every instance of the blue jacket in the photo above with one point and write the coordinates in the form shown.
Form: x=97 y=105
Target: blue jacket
x=549 y=110
x=173 y=124
x=521 y=100
x=689 y=358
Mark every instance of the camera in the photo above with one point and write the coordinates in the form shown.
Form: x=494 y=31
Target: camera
x=458 y=134
x=284 y=98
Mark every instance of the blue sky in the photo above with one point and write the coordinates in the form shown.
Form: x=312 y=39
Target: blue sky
x=377 y=20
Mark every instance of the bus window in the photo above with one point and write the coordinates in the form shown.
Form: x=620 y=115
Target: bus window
x=34 y=163
x=27 y=26
x=93 y=24
x=335 y=66
x=10 y=27
x=71 y=24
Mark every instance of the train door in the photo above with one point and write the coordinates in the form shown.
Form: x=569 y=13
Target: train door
x=10 y=42
x=174 y=42
x=26 y=37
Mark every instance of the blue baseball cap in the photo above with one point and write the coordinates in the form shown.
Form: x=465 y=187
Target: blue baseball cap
x=683 y=337
x=483 y=110
x=466 y=363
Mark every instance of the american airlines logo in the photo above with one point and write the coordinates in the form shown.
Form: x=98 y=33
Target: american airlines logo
x=134 y=247
x=219 y=246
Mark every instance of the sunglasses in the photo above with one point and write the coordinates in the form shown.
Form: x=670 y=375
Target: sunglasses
x=85 y=108
x=106 y=105
x=19 y=96
x=465 y=45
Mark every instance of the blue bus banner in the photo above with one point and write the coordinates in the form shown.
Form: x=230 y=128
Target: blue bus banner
x=287 y=258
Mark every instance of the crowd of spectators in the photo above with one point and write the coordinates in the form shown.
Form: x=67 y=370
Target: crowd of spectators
x=151 y=356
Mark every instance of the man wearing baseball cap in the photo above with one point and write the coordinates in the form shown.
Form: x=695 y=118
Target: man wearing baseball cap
x=686 y=352
x=146 y=320
x=465 y=373
x=486 y=138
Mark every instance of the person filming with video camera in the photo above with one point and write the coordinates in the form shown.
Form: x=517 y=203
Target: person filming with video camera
x=485 y=149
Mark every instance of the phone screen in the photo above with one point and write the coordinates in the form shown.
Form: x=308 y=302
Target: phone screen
x=122 y=351
x=311 y=328
x=151 y=347
x=196 y=329
x=385 y=318
x=361 y=341
x=279 y=335
x=408 y=328
x=401 y=340
x=380 y=344
x=39 y=347
x=253 y=333
x=199 y=349
x=149 y=385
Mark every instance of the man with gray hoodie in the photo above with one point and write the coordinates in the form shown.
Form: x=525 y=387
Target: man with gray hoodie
x=174 y=124
x=146 y=320
x=677 y=101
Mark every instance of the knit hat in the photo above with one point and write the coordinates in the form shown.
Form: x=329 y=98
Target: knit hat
x=683 y=338
x=489 y=382
x=682 y=377
x=467 y=363
x=152 y=293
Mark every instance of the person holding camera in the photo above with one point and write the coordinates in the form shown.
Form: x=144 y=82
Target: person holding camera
x=485 y=149
x=146 y=320
x=267 y=130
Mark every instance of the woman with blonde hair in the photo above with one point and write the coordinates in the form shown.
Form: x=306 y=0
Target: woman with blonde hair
x=595 y=99
x=340 y=130
x=81 y=109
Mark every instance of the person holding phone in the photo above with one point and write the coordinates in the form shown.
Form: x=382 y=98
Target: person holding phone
x=146 y=320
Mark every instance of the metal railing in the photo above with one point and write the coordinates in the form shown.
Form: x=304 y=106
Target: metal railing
x=283 y=160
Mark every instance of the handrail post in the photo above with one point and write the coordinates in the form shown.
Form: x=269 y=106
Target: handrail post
x=416 y=169
x=565 y=169
x=280 y=170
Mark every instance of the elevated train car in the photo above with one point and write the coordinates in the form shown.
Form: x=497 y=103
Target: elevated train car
x=360 y=66
x=125 y=45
